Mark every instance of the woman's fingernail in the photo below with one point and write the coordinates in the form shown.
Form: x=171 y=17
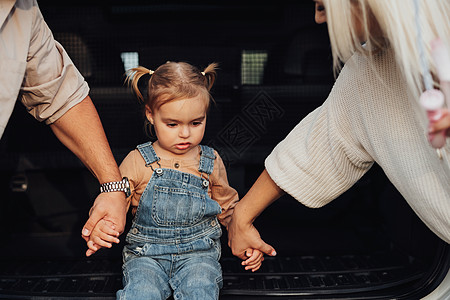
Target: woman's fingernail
x=85 y=232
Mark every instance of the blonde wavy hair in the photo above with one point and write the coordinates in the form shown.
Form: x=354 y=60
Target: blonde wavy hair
x=389 y=24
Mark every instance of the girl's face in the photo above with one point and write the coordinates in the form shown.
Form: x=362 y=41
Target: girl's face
x=179 y=126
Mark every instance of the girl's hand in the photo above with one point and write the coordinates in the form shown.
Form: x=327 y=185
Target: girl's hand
x=254 y=261
x=102 y=236
x=243 y=236
x=107 y=206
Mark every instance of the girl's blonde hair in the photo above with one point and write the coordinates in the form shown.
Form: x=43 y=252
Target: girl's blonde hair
x=389 y=24
x=173 y=81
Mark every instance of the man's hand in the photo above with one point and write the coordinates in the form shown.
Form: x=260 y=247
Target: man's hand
x=110 y=207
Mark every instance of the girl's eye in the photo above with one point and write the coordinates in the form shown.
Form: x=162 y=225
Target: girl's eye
x=196 y=123
x=171 y=124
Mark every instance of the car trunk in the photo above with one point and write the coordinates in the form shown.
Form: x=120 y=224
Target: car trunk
x=366 y=244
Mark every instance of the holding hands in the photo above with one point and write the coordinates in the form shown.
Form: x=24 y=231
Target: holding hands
x=254 y=261
x=243 y=238
x=102 y=236
x=106 y=221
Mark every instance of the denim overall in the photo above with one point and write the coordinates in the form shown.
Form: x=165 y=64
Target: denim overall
x=174 y=240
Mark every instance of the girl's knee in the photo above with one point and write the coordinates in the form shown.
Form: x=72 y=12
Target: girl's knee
x=198 y=280
x=144 y=279
x=146 y=292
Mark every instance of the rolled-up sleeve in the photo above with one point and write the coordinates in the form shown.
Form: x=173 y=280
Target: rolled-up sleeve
x=52 y=84
x=321 y=157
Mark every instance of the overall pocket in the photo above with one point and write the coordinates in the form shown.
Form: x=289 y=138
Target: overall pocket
x=177 y=206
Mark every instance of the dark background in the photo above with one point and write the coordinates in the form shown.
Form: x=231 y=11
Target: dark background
x=251 y=114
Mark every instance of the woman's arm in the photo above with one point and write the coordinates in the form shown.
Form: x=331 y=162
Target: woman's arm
x=242 y=235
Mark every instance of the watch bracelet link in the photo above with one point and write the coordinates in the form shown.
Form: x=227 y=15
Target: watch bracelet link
x=116 y=186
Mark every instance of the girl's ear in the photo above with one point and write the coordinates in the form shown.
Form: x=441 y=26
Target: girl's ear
x=149 y=115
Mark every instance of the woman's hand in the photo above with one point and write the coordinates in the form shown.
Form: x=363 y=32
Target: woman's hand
x=442 y=124
x=242 y=235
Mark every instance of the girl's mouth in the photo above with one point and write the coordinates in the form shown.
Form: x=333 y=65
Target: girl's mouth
x=182 y=146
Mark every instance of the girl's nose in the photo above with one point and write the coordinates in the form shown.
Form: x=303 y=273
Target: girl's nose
x=184 y=131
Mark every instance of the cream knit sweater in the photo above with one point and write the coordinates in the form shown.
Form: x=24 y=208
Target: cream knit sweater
x=368 y=117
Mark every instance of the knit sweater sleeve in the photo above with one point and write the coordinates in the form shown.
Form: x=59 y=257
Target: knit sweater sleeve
x=321 y=157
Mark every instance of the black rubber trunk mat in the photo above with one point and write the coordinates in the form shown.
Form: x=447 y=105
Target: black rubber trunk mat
x=279 y=276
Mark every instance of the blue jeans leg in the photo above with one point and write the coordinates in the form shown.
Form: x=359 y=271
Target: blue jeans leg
x=144 y=278
x=198 y=276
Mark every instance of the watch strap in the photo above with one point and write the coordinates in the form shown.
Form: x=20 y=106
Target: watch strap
x=116 y=186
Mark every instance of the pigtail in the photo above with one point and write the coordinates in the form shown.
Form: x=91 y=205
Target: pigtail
x=132 y=77
x=210 y=75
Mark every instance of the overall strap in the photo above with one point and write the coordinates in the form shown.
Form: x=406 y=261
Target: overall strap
x=148 y=153
x=207 y=158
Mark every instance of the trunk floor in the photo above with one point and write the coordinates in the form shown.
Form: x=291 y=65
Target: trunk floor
x=279 y=276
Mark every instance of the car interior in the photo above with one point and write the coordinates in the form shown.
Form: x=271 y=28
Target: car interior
x=275 y=67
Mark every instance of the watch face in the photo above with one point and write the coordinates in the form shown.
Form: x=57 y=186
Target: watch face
x=127 y=187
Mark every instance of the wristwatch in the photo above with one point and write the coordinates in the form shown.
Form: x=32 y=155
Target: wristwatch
x=116 y=186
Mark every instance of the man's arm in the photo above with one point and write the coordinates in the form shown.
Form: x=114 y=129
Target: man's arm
x=80 y=130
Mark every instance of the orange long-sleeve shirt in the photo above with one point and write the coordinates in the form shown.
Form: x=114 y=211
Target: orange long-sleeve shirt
x=133 y=167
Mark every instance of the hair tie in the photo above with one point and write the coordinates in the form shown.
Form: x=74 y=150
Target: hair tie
x=203 y=73
x=150 y=72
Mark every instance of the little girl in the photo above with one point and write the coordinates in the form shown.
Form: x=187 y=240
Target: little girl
x=179 y=193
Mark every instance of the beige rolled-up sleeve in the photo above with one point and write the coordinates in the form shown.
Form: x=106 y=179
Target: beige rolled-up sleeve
x=52 y=84
x=222 y=192
x=322 y=157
